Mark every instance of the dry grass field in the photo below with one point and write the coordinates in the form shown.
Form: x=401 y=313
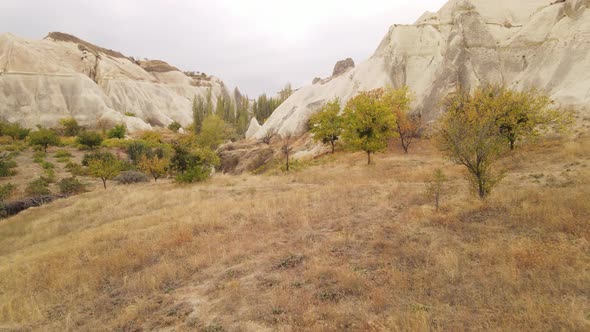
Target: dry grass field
x=336 y=246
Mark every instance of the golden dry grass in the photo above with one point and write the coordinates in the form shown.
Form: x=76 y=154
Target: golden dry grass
x=339 y=246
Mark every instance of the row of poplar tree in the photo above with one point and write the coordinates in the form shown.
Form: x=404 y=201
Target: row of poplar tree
x=237 y=111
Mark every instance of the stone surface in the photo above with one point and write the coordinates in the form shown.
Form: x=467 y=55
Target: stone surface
x=43 y=81
x=342 y=66
x=467 y=43
x=252 y=128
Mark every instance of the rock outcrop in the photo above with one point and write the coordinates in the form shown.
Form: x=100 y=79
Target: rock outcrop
x=252 y=128
x=467 y=43
x=43 y=81
x=342 y=66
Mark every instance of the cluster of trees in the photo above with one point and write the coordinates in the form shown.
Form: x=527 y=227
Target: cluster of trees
x=264 y=106
x=475 y=130
x=368 y=121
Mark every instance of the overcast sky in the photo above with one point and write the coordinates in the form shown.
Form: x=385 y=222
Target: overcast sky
x=257 y=45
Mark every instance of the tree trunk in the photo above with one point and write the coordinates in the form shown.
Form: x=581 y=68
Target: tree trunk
x=512 y=145
x=333 y=147
x=368 y=158
x=104 y=183
x=287 y=161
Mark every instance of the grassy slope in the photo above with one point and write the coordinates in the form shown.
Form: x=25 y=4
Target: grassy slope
x=336 y=246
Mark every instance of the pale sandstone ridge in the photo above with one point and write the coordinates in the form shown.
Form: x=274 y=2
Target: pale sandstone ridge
x=43 y=81
x=467 y=43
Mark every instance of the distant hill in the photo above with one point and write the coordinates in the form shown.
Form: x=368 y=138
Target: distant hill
x=43 y=81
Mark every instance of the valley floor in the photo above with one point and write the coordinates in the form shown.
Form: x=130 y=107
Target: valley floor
x=336 y=246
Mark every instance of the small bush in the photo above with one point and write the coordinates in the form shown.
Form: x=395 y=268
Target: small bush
x=69 y=141
x=197 y=173
x=38 y=187
x=71 y=186
x=97 y=156
x=62 y=153
x=89 y=139
x=47 y=165
x=174 y=126
x=6 y=190
x=6 y=140
x=63 y=160
x=115 y=143
x=49 y=175
x=130 y=177
x=130 y=114
x=76 y=169
x=152 y=137
x=136 y=149
x=118 y=131
x=17 y=146
x=6 y=165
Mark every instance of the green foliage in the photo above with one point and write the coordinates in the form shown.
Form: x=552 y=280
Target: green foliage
x=154 y=165
x=525 y=114
x=89 y=139
x=97 y=156
x=69 y=127
x=119 y=131
x=105 y=167
x=130 y=114
x=62 y=154
x=38 y=187
x=131 y=177
x=368 y=123
x=6 y=191
x=214 y=132
x=76 y=169
x=199 y=111
x=116 y=143
x=39 y=156
x=137 y=149
x=196 y=173
x=152 y=137
x=43 y=138
x=408 y=125
x=47 y=165
x=468 y=135
x=174 y=126
x=7 y=165
x=71 y=186
x=13 y=130
x=327 y=125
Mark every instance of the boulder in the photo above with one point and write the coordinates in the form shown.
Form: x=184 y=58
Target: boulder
x=343 y=66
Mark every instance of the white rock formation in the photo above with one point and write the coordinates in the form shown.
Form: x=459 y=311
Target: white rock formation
x=252 y=128
x=467 y=43
x=43 y=81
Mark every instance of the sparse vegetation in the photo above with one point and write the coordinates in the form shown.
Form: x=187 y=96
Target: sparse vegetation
x=43 y=138
x=70 y=127
x=131 y=177
x=71 y=186
x=435 y=188
x=89 y=139
x=155 y=165
x=118 y=131
x=38 y=187
x=174 y=126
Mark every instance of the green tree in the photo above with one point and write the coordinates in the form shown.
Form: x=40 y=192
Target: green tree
x=525 y=114
x=407 y=125
x=44 y=138
x=70 y=127
x=368 y=123
x=105 y=168
x=13 y=130
x=327 y=125
x=155 y=166
x=214 y=132
x=89 y=139
x=199 y=111
x=467 y=134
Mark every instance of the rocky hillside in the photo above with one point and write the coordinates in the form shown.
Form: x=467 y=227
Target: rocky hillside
x=525 y=43
x=43 y=81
